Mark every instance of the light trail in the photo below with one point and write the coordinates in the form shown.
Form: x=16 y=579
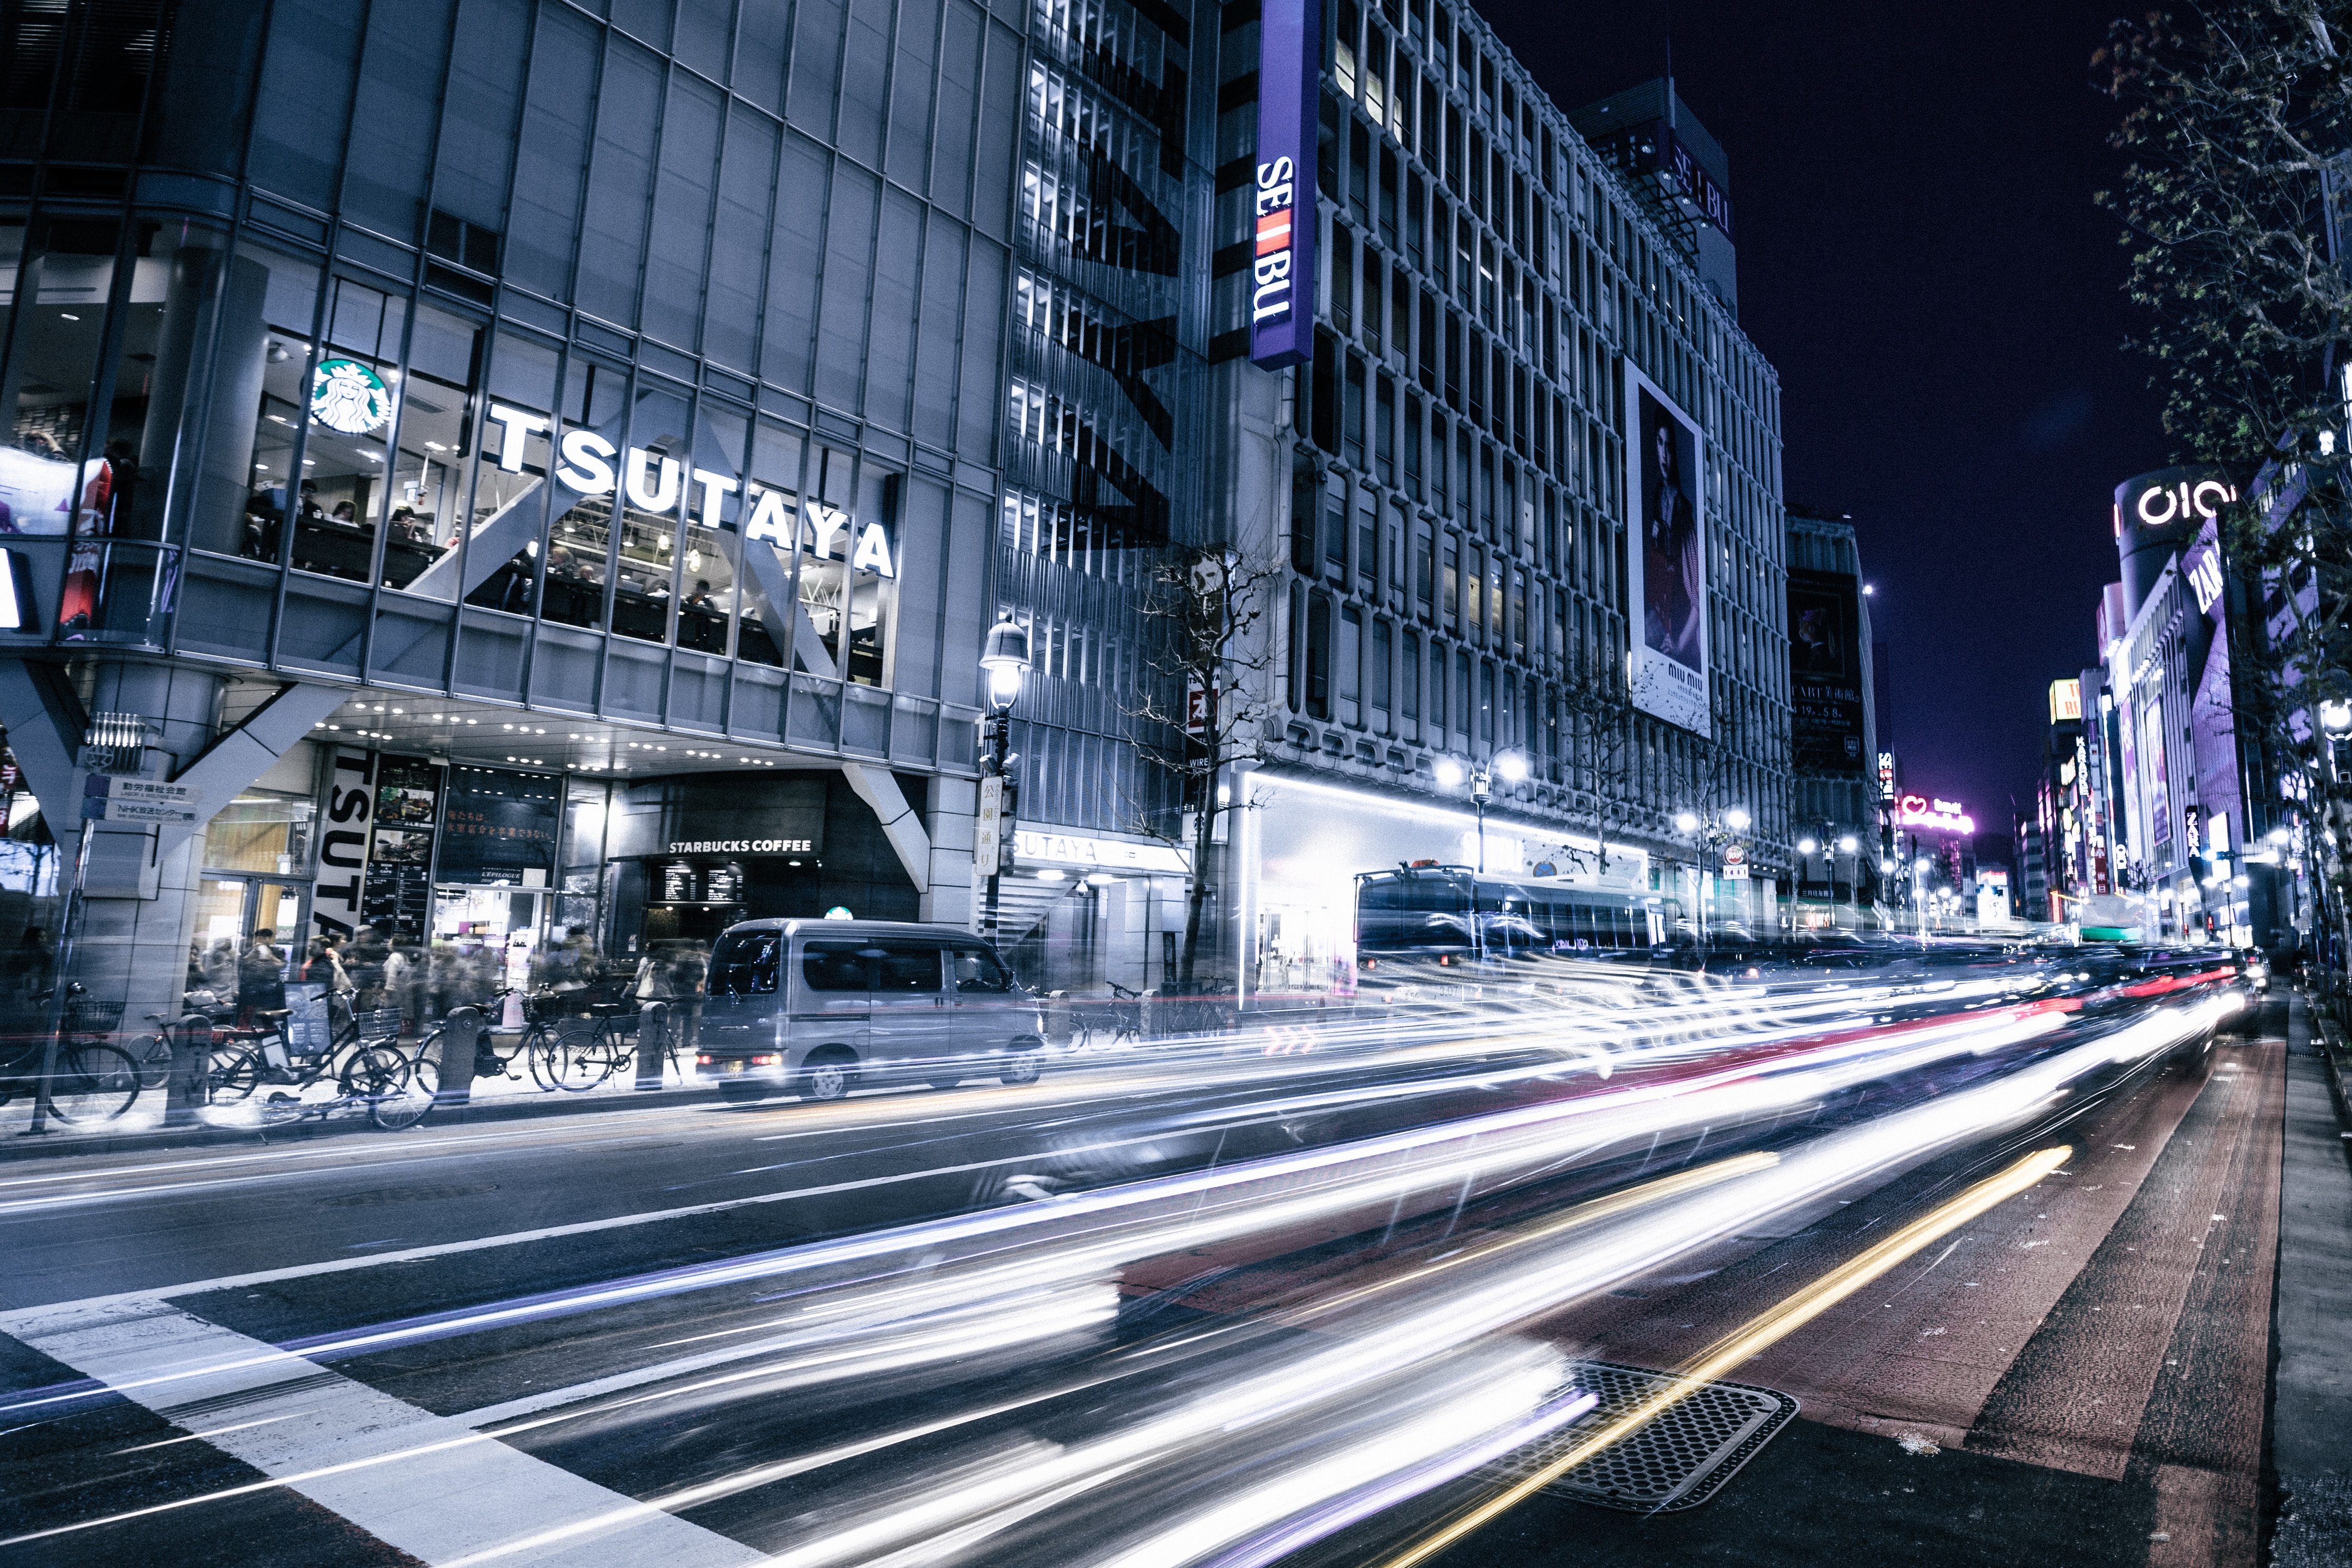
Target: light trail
x=1733 y=1350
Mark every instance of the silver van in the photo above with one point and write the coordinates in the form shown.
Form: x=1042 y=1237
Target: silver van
x=818 y=1006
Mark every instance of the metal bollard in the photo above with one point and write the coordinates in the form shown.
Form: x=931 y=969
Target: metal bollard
x=653 y=1042
x=461 y=1031
x=184 y=1092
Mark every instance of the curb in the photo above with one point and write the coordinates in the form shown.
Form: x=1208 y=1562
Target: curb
x=22 y=1146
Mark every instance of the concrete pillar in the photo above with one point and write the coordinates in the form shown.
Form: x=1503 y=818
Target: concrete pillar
x=461 y=1032
x=191 y=1045
x=653 y=1027
x=951 y=899
x=134 y=949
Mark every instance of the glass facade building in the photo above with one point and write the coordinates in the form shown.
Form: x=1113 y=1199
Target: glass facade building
x=578 y=400
x=594 y=437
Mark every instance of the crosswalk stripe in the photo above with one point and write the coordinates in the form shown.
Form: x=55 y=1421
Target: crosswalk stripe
x=426 y=1484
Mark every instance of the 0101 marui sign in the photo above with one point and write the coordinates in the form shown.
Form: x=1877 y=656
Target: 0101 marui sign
x=1282 y=206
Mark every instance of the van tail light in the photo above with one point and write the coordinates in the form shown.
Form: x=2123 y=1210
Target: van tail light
x=767 y=1062
x=702 y=1061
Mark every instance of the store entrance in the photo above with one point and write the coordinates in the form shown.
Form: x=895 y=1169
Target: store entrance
x=234 y=916
x=491 y=934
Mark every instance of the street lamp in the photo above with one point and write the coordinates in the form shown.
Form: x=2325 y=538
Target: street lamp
x=1707 y=839
x=1807 y=846
x=1510 y=766
x=1004 y=662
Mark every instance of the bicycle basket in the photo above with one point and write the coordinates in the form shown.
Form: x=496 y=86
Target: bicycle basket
x=383 y=1023
x=545 y=1006
x=93 y=1017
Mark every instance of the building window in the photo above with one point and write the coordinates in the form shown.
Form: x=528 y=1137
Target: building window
x=1318 y=658
x=1351 y=664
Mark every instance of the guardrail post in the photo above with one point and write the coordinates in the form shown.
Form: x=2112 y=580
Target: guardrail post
x=653 y=1039
x=461 y=1032
x=192 y=1049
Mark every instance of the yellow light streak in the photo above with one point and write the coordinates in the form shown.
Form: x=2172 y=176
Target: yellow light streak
x=1753 y=1337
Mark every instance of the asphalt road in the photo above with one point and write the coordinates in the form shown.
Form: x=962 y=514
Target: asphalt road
x=2075 y=1376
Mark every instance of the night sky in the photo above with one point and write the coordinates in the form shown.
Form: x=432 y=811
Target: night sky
x=1921 y=258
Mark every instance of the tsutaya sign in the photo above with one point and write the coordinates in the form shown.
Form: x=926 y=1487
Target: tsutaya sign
x=1282 y=204
x=586 y=466
x=1936 y=816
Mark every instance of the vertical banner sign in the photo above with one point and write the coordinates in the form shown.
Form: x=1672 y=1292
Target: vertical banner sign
x=1282 y=257
x=344 y=846
x=988 y=832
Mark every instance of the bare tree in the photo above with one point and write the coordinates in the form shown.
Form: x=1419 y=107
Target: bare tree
x=1601 y=740
x=1209 y=616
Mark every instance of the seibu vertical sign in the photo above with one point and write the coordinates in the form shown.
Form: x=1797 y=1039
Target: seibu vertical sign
x=1282 y=206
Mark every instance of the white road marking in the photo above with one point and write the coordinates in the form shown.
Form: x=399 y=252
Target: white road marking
x=424 y=1483
x=34 y=1318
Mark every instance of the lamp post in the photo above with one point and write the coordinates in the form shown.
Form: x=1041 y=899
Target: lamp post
x=1510 y=766
x=1004 y=662
x=1706 y=840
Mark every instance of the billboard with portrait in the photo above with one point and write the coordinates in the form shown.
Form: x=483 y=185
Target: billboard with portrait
x=1826 y=732
x=1666 y=559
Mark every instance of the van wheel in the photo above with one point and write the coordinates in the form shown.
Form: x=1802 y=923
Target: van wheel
x=737 y=1090
x=828 y=1075
x=1024 y=1065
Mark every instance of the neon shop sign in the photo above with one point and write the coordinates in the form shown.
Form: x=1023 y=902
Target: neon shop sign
x=1934 y=815
x=588 y=465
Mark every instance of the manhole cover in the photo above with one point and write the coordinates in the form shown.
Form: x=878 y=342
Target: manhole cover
x=384 y=1195
x=1680 y=1459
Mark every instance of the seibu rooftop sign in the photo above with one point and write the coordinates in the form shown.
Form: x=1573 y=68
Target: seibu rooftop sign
x=1934 y=816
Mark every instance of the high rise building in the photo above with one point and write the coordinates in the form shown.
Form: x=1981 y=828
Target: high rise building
x=1836 y=805
x=537 y=482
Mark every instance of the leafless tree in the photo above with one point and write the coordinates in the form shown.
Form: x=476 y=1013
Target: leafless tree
x=1209 y=617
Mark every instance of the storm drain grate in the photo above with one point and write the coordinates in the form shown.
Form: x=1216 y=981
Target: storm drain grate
x=1680 y=1459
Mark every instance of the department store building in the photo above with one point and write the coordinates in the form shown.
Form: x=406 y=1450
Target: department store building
x=539 y=473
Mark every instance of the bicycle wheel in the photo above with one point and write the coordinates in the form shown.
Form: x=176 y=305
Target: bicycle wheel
x=574 y=1065
x=386 y=1080
x=545 y=1052
x=155 y=1061
x=231 y=1078
x=93 y=1083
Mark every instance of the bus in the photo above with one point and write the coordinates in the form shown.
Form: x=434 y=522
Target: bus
x=1430 y=910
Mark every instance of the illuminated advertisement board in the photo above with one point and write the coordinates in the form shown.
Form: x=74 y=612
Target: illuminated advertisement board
x=1925 y=814
x=2066 y=700
x=1825 y=674
x=1668 y=564
x=1282 y=197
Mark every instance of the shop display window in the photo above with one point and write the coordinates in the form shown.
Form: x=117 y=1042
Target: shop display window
x=263 y=831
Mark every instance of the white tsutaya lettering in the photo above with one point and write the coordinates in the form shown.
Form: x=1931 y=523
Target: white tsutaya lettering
x=713 y=486
x=826 y=524
x=515 y=424
x=665 y=494
x=771 y=517
x=873 y=552
x=587 y=467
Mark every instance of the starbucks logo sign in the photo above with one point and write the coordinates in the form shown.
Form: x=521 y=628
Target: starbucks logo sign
x=349 y=398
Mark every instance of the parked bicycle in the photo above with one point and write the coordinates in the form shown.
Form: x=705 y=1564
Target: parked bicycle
x=577 y=1053
x=361 y=1061
x=1118 y=1020
x=89 y=1082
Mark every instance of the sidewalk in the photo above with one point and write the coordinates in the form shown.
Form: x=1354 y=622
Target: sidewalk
x=2311 y=1409
x=142 y=1129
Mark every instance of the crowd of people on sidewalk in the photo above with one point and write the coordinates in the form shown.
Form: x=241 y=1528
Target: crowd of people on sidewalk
x=425 y=981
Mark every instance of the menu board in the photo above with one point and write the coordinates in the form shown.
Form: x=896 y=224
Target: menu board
x=499 y=827
x=723 y=883
x=400 y=862
x=677 y=885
